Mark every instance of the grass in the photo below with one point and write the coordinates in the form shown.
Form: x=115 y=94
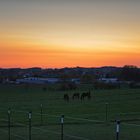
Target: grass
x=83 y=119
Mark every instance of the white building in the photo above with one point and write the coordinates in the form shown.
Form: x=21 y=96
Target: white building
x=109 y=80
x=36 y=80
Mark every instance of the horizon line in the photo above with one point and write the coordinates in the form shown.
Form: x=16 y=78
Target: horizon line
x=67 y=67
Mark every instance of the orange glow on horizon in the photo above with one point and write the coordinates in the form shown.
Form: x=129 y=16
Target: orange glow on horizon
x=22 y=55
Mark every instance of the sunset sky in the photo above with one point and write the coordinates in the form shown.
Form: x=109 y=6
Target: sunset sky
x=69 y=33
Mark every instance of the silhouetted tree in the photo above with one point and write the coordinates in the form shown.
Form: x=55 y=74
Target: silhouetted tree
x=88 y=78
x=130 y=73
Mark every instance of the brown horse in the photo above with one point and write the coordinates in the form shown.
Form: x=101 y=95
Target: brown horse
x=76 y=96
x=86 y=95
x=66 y=97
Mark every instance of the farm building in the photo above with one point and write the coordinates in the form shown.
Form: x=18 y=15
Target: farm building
x=36 y=80
x=108 y=80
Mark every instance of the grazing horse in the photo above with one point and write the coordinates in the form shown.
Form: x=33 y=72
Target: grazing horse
x=76 y=96
x=86 y=95
x=66 y=97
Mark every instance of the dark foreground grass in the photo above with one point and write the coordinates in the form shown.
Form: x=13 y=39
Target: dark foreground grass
x=84 y=120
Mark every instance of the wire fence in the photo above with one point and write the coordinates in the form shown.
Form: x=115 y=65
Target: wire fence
x=25 y=125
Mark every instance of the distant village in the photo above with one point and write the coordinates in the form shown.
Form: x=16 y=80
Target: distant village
x=101 y=77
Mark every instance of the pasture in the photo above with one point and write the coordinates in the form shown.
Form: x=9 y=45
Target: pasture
x=92 y=119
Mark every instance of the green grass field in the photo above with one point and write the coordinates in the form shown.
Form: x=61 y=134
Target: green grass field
x=84 y=120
